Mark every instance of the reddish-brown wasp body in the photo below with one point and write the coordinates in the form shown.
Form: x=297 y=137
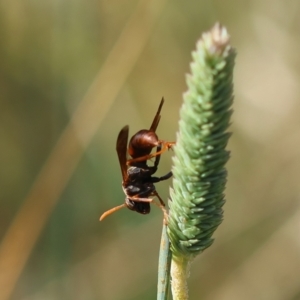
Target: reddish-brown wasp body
x=142 y=143
x=138 y=182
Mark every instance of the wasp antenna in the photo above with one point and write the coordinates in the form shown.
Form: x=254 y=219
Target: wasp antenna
x=112 y=210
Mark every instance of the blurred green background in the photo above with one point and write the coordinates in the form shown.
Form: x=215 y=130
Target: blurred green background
x=50 y=53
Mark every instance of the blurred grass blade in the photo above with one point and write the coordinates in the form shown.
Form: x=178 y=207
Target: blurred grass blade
x=57 y=170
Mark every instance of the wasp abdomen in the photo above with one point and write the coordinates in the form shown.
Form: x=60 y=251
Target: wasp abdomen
x=142 y=143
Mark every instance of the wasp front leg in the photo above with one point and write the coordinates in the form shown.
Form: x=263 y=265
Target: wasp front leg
x=166 y=146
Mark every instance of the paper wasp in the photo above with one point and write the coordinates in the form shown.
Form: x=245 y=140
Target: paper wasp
x=138 y=182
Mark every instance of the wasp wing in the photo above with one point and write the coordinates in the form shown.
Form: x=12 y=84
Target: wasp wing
x=156 y=119
x=122 y=150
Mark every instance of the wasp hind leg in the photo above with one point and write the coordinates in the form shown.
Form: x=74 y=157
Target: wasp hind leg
x=111 y=211
x=162 y=206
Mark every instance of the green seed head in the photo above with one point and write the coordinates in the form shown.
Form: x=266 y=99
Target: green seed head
x=197 y=196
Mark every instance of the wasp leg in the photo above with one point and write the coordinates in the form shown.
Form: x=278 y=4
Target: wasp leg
x=158 y=179
x=112 y=210
x=138 y=199
x=157 y=158
x=162 y=207
x=166 y=146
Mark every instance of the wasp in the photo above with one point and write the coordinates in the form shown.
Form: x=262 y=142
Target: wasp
x=138 y=182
